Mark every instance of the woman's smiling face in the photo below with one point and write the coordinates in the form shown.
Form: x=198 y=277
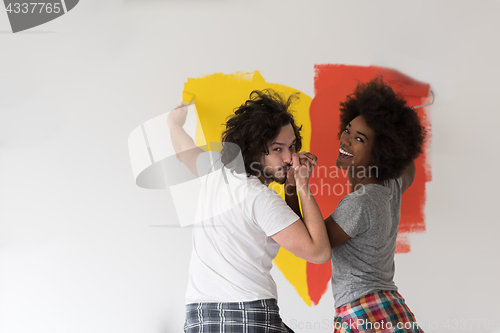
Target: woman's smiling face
x=356 y=143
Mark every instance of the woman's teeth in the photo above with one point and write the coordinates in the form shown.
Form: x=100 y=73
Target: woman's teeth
x=342 y=151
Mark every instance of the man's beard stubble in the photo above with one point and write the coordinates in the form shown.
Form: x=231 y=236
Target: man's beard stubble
x=283 y=171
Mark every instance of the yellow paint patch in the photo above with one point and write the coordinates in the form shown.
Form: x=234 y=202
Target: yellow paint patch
x=295 y=271
x=216 y=96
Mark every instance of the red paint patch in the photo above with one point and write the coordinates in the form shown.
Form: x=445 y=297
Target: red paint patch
x=318 y=277
x=332 y=84
x=403 y=244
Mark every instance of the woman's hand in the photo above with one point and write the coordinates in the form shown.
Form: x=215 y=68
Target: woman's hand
x=307 y=156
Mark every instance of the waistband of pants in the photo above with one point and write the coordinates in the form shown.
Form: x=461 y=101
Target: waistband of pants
x=389 y=295
x=261 y=304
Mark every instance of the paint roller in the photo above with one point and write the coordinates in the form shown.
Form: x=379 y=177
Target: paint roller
x=187 y=98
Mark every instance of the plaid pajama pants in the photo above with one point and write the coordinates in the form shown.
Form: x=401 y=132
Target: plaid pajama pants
x=383 y=311
x=260 y=316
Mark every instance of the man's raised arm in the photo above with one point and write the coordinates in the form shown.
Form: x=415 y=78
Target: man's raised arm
x=184 y=146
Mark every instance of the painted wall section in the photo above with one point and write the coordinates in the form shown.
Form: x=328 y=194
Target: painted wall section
x=216 y=96
x=332 y=84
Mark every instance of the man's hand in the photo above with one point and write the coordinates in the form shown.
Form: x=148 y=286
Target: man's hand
x=304 y=158
x=177 y=117
x=186 y=150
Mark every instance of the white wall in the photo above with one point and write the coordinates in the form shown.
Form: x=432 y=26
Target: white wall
x=82 y=249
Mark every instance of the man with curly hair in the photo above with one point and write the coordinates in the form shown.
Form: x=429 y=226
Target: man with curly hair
x=242 y=221
x=380 y=136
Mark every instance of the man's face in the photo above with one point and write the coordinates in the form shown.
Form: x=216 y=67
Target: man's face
x=275 y=165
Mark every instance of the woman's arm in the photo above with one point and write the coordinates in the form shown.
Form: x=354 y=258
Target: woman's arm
x=292 y=198
x=407 y=177
x=336 y=234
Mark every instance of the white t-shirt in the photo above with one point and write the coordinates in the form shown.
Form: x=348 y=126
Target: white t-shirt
x=232 y=248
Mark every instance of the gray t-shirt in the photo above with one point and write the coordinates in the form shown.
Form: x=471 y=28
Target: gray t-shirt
x=365 y=263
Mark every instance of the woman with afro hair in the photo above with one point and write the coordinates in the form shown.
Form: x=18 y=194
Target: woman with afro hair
x=380 y=136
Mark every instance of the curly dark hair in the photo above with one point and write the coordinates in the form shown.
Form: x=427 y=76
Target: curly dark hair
x=399 y=136
x=254 y=124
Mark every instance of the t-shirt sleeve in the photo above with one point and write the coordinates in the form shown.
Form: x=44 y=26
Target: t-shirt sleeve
x=351 y=216
x=272 y=213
